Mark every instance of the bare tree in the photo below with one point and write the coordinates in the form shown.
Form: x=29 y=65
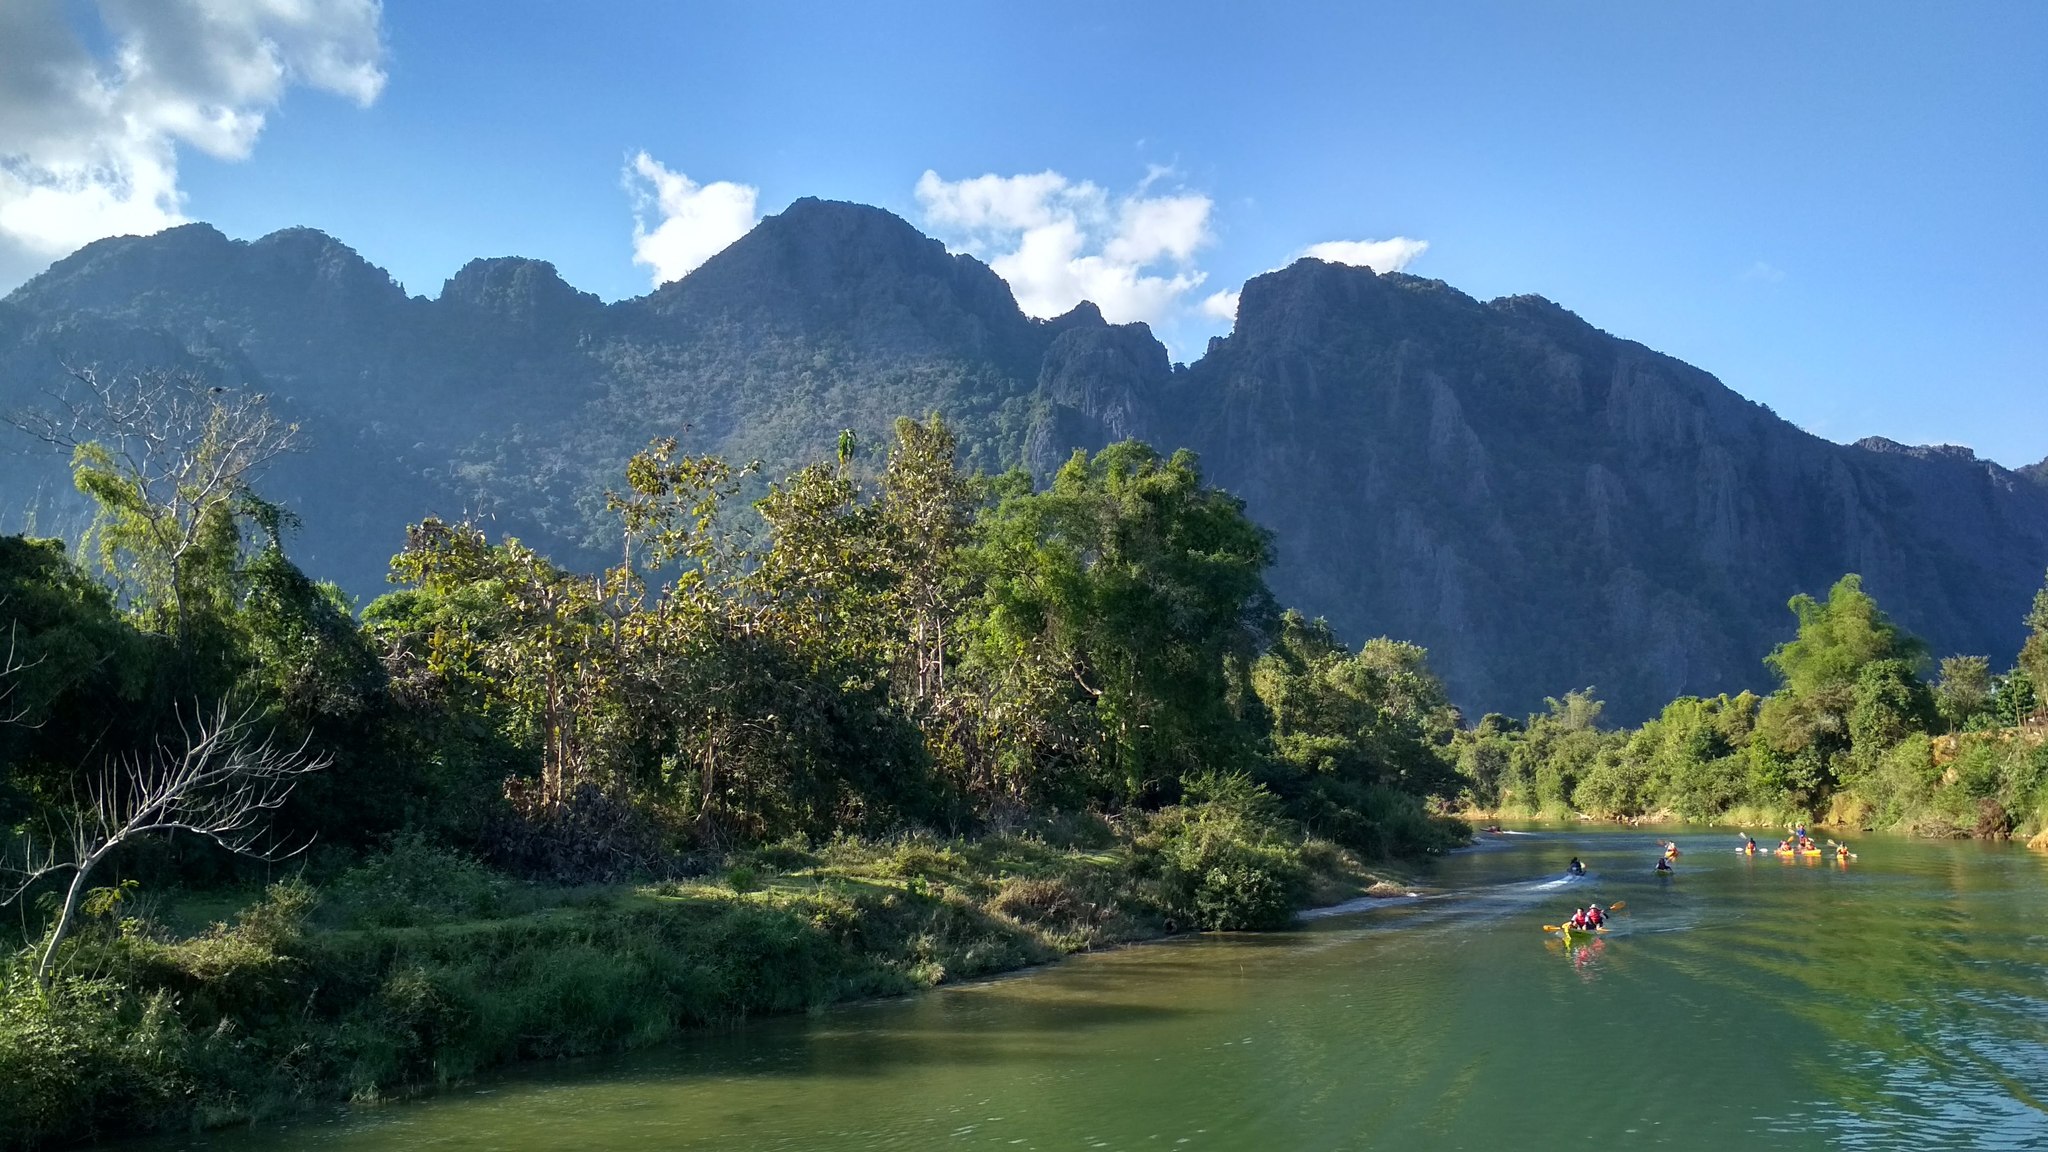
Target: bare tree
x=219 y=781
x=12 y=667
x=166 y=456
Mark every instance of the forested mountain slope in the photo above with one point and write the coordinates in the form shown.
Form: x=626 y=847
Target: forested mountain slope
x=1543 y=505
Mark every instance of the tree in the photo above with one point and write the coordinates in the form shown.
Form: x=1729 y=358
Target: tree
x=927 y=511
x=1837 y=638
x=1485 y=760
x=220 y=782
x=1889 y=703
x=1376 y=716
x=1579 y=711
x=2013 y=703
x=1131 y=597
x=11 y=668
x=1964 y=690
x=2034 y=653
x=1348 y=729
x=169 y=460
x=1812 y=720
x=1562 y=748
x=532 y=638
x=87 y=678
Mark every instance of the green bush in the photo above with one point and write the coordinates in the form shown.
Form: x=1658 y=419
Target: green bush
x=413 y=882
x=85 y=1058
x=1246 y=890
x=1226 y=866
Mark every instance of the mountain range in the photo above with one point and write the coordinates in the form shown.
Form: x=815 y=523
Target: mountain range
x=1544 y=505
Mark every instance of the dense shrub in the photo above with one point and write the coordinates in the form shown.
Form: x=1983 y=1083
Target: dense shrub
x=413 y=881
x=1225 y=864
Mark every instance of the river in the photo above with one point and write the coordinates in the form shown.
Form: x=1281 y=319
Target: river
x=1897 y=1001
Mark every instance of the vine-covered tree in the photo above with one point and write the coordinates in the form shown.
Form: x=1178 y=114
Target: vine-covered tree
x=170 y=462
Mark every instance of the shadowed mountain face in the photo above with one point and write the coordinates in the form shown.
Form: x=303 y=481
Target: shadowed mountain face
x=1543 y=505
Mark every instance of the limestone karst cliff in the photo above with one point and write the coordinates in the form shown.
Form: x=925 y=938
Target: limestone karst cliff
x=1544 y=505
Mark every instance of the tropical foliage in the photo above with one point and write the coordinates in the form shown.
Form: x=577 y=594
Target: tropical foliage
x=1029 y=718
x=1855 y=733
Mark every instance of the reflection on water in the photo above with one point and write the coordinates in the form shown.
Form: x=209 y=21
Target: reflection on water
x=1900 y=1001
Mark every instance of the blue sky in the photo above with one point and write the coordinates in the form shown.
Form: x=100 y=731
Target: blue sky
x=1839 y=211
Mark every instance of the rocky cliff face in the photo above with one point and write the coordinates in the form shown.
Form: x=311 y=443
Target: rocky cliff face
x=1544 y=505
x=1097 y=383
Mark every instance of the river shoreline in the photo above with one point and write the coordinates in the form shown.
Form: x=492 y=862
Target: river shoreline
x=339 y=994
x=1432 y=1024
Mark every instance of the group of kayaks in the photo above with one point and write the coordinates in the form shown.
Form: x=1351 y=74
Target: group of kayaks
x=1796 y=846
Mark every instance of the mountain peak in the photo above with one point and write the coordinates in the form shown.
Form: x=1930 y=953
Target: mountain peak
x=1082 y=315
x=825 y=264
x=833 y=239
x=118 y=266
x=516 y=288
x=1539 y=308
x=205 y=273
x=1959 y=453
x=815 y=212
x=1310 y=298
x=293 y=254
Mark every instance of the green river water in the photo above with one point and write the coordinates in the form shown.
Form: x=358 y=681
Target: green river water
x=1898 y=1001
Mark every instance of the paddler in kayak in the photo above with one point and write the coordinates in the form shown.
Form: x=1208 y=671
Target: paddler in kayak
x=1749 y=849
x=1670 y=850
x=1595 y=918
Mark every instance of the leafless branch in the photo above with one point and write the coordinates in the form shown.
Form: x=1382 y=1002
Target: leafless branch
x=218 y=780
x=175 y=450
x=152 y=422
x=11 y=667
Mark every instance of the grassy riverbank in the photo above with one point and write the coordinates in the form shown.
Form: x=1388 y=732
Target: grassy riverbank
x=420 y=968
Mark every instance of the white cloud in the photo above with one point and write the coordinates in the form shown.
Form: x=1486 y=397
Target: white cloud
x=1378 y=255
x=1059 y=242
x=1768 y=273
x=698 y=221
x=1221 y=306
x=89 y=142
